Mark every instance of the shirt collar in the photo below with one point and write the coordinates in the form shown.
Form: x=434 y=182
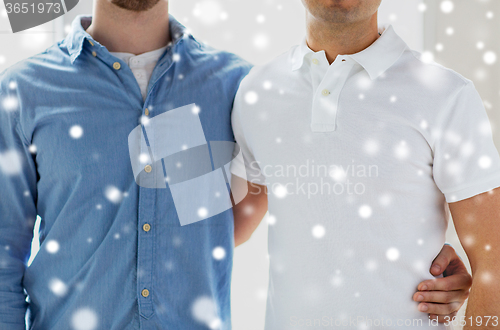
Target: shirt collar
x=74 y=41
x=375 y=59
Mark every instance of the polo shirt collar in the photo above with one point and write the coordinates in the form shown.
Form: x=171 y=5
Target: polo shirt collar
x=74 y=41
x=375 y=59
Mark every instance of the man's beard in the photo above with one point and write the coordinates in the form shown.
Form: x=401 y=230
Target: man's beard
x=135 y=5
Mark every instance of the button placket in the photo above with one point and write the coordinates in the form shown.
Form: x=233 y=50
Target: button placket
x=146 y=237
x=318 y=68
x=327 y=94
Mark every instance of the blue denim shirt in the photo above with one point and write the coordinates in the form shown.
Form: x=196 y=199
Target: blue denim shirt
x=65 y=116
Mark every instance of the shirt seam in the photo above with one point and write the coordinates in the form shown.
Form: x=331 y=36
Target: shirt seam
x=467 y=187
x=438 y=66
x=445 y=113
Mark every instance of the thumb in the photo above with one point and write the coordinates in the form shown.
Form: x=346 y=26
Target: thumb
x=442 y=260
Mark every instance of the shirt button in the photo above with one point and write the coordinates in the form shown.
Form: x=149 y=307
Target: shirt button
x=116 y=66
x=94 y=54
x=91 y=43
x=148 y=168
x=145 y=293
x=325 y=92
x=146 y=112
x=315 y=61
x=146 y=227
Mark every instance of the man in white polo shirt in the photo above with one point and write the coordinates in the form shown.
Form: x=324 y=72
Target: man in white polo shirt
x=361 y=143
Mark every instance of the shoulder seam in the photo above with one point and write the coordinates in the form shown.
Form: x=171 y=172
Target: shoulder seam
x=450 y=101
x=435 y=64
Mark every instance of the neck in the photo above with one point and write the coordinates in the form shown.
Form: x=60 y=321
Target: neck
x=125 y=31
x=340 y=38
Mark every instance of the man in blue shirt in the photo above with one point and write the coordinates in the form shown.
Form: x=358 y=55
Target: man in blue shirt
x=113 y=254
x=115 y=247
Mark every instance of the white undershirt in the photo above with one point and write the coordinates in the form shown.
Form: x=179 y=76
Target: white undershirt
x=142 y=66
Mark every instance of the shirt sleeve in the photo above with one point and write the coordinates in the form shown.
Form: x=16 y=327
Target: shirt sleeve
x=17 y=211
x=466 y=161
x=246 y=167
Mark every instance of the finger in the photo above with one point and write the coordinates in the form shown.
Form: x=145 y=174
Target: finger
x=459 y=281
x=439 y=309
x=443 y=259
x=441 y=297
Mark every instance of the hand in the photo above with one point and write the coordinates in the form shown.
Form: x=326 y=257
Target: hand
x=442 y=297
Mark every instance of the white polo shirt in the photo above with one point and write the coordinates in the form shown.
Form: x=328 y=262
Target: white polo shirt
x=359 y=157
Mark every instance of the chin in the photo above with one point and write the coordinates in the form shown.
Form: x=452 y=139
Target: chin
x=341 y=11
x=341 y=4
x=135 y=5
